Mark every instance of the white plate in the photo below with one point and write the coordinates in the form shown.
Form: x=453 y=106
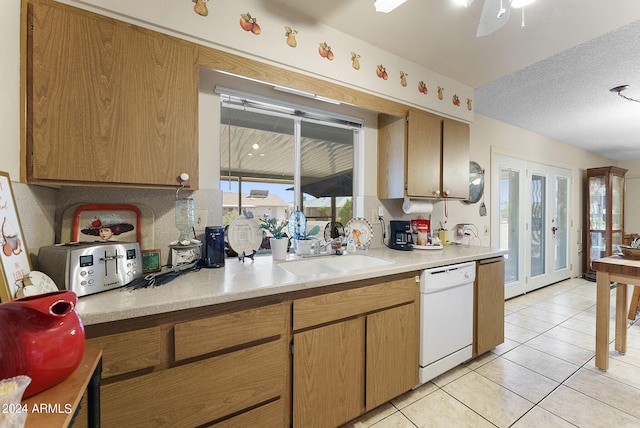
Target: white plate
x=428 y=247
x=361 y=230
x=245 y=235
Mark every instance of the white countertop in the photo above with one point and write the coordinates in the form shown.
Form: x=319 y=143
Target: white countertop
x=261 y=277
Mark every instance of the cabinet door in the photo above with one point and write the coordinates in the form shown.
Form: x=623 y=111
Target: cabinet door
x=108 y=102
x=328 y=374
x=392 y=353
x=489 y=305
x=423 y=154
x=455 y=159
x=392 y=156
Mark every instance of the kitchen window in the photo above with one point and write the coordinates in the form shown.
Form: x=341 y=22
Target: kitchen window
x=276 y=157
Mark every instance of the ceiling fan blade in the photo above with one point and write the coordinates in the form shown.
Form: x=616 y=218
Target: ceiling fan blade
x=492 y=18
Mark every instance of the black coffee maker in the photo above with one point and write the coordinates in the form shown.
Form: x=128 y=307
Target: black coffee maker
x=401 y=237
x=214 y=247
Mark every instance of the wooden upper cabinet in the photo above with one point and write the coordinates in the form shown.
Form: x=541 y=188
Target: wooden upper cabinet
x=455 y=159
x=108 y=103
x=424 y=151
x=422 y=155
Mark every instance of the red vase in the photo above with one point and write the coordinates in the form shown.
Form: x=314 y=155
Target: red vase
x=42 y=337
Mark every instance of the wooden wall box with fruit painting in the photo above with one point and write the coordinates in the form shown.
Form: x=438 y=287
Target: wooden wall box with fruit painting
x=124 y=220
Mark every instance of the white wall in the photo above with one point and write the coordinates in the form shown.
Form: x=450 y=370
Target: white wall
x=10 y=88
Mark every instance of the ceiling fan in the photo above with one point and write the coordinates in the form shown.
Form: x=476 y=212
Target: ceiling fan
x=495 y=14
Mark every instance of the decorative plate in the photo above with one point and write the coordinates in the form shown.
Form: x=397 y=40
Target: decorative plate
x=333 y=229
x=245 y=235
x=361 y=230
x=297 y=224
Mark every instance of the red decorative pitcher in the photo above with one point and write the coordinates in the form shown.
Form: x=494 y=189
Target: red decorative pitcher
x=42 y=337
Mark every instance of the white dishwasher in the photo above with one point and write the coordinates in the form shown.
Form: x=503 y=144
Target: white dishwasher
x=446 y=318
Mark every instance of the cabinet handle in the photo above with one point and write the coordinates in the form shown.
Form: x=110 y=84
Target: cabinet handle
x=436 y=192
x=446 y=193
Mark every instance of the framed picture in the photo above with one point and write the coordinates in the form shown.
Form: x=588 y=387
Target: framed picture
x=14 y=259
x=106 y=222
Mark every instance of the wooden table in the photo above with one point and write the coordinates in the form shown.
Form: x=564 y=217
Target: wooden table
x=58 y=405
x=623 y=271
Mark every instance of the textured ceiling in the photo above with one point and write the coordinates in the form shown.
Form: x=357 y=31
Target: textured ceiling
x=551 y=77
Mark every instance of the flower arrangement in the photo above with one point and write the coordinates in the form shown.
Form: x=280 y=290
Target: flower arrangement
x=272 y=226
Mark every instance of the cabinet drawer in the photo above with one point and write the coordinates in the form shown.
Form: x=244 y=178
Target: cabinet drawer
x=330 y=307
x=270 y=415
x=212 y=334
x=200 y=392
x=128 y=352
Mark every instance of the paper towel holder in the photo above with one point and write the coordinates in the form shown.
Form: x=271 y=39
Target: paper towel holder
x=417 y=206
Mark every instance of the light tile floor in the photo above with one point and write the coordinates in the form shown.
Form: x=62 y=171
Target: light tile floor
x=543 y=375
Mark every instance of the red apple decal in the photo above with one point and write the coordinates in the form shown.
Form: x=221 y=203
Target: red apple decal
x=325 y=51
x=422 y=87
x=381 y=72
x=248 y=23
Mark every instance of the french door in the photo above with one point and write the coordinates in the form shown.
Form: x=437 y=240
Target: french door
x=532 y=220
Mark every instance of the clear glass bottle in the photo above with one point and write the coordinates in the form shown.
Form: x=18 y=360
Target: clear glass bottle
x=184 y=217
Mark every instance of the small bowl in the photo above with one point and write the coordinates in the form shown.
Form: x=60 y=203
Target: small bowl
x=629 y=252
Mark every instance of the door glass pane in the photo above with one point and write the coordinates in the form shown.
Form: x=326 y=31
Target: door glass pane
x=597 y=218
x=597 y=202
x=326 y=175
x=616 y=202
x=561 y=224
x=538 y=221
x=509 y=212
x=598 y=242
x=616 y=239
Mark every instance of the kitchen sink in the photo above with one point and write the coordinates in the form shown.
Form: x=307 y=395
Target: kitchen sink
x=332 y=264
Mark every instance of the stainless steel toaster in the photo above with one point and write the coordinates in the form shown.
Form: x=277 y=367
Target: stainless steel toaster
x=91 y=267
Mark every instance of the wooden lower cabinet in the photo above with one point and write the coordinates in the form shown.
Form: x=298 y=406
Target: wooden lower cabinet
x=231 y=369
x=197 y=393
x=318 y=359
x=328 y=374
x=488 y=329
x=345 y=367
x=392 y=353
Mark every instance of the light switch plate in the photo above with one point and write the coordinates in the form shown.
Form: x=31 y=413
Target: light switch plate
x=200 y=219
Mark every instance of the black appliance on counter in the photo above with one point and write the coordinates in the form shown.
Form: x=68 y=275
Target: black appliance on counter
x=401 y=237
x=214 y=247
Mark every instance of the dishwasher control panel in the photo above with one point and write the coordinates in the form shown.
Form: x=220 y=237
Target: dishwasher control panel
x=447 y=276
